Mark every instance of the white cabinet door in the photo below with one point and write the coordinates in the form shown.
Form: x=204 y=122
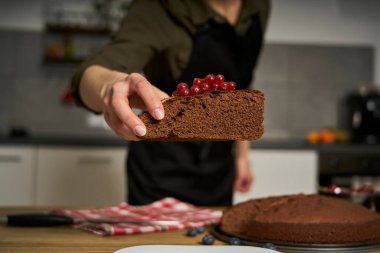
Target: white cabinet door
x=72 y=176
x=279 y=172
x=17 y=173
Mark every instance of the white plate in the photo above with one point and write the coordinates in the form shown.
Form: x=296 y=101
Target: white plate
x=193 y=249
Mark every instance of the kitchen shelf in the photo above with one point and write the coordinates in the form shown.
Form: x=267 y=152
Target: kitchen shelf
x=70 y=45
x=65 y=29
x=49 y=60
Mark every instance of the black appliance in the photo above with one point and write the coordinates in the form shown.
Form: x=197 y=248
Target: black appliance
x=351 y=172
x=340 y=166
x=359 y=113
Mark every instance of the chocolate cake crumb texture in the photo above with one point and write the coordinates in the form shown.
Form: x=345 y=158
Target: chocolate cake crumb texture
x=216 y=115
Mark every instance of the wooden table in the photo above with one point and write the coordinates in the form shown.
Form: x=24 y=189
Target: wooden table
x=67 y=239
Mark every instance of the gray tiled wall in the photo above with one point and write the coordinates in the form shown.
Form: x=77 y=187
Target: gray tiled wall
x=301 y=83
x=30 y=90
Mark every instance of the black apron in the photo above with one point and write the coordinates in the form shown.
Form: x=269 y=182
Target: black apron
x=201 y=173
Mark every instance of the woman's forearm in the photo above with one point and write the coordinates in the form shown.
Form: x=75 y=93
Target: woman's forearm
x=93 y=83
x=242 y=149
x=244 y=175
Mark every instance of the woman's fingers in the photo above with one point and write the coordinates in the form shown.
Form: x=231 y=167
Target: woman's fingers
x=119 y=106
x=161 y=95
x=146 y=91
x=119 y=96
x=118 y=127
x=136 y=101
x=116 y=100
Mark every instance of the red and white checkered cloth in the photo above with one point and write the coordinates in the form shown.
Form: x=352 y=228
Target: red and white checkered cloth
x=168 y=209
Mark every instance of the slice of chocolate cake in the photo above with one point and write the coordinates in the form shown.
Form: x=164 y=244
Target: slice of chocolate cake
x=213 y=116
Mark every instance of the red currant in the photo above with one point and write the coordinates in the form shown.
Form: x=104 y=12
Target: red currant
x=197 y=81
x=223 y=86
x=184 y=92
x=215 y=86
x=195 y=90
x=231 y=86
x=219 y=79
x=205 y=87
x=175 y=94
x=181 y=86
x=210 y=79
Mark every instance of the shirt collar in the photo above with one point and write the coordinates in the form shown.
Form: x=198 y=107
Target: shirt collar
x=198 y=12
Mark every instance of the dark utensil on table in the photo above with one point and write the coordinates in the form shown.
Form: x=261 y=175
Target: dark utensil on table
x=36 y=220
x=49 y=219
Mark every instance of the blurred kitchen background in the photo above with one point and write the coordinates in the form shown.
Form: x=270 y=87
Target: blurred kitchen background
x=316 y=52
x=317 y=55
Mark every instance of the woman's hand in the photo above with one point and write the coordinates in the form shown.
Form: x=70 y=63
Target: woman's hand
x=243 y=175
x=132 y=91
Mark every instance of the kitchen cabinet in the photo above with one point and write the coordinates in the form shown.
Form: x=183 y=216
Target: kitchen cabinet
x=278 y=172
x=76 y=176
x=62 y=175
x=17 y=174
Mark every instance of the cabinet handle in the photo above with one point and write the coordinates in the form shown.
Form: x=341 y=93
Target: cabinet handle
x=94 y=160
x=10 y=158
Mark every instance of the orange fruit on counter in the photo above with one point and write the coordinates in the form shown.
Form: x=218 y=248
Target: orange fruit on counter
x=313 y=137
x=327 y=136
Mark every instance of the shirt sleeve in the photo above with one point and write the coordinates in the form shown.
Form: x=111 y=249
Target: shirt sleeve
x=131 y=47
x=264 y=12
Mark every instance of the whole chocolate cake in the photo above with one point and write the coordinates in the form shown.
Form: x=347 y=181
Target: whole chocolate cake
x=309 y=219
x=215 y=115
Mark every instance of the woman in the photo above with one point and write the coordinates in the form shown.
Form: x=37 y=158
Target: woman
x=174 y=41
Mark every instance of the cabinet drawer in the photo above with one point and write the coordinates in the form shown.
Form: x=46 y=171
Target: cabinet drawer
x=17 y=171
x=71 y=176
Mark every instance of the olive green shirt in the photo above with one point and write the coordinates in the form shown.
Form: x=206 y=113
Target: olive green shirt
x=155 y=38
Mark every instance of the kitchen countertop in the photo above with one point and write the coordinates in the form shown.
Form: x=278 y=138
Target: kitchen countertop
x=63 y=140
x=67 y=239
x=276 y=144
x=298 y=144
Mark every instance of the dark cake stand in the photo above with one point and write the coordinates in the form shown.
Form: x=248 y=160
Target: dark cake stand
x=297 y=248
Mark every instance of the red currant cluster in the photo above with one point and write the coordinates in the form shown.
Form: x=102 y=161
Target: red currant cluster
x=209 y=83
